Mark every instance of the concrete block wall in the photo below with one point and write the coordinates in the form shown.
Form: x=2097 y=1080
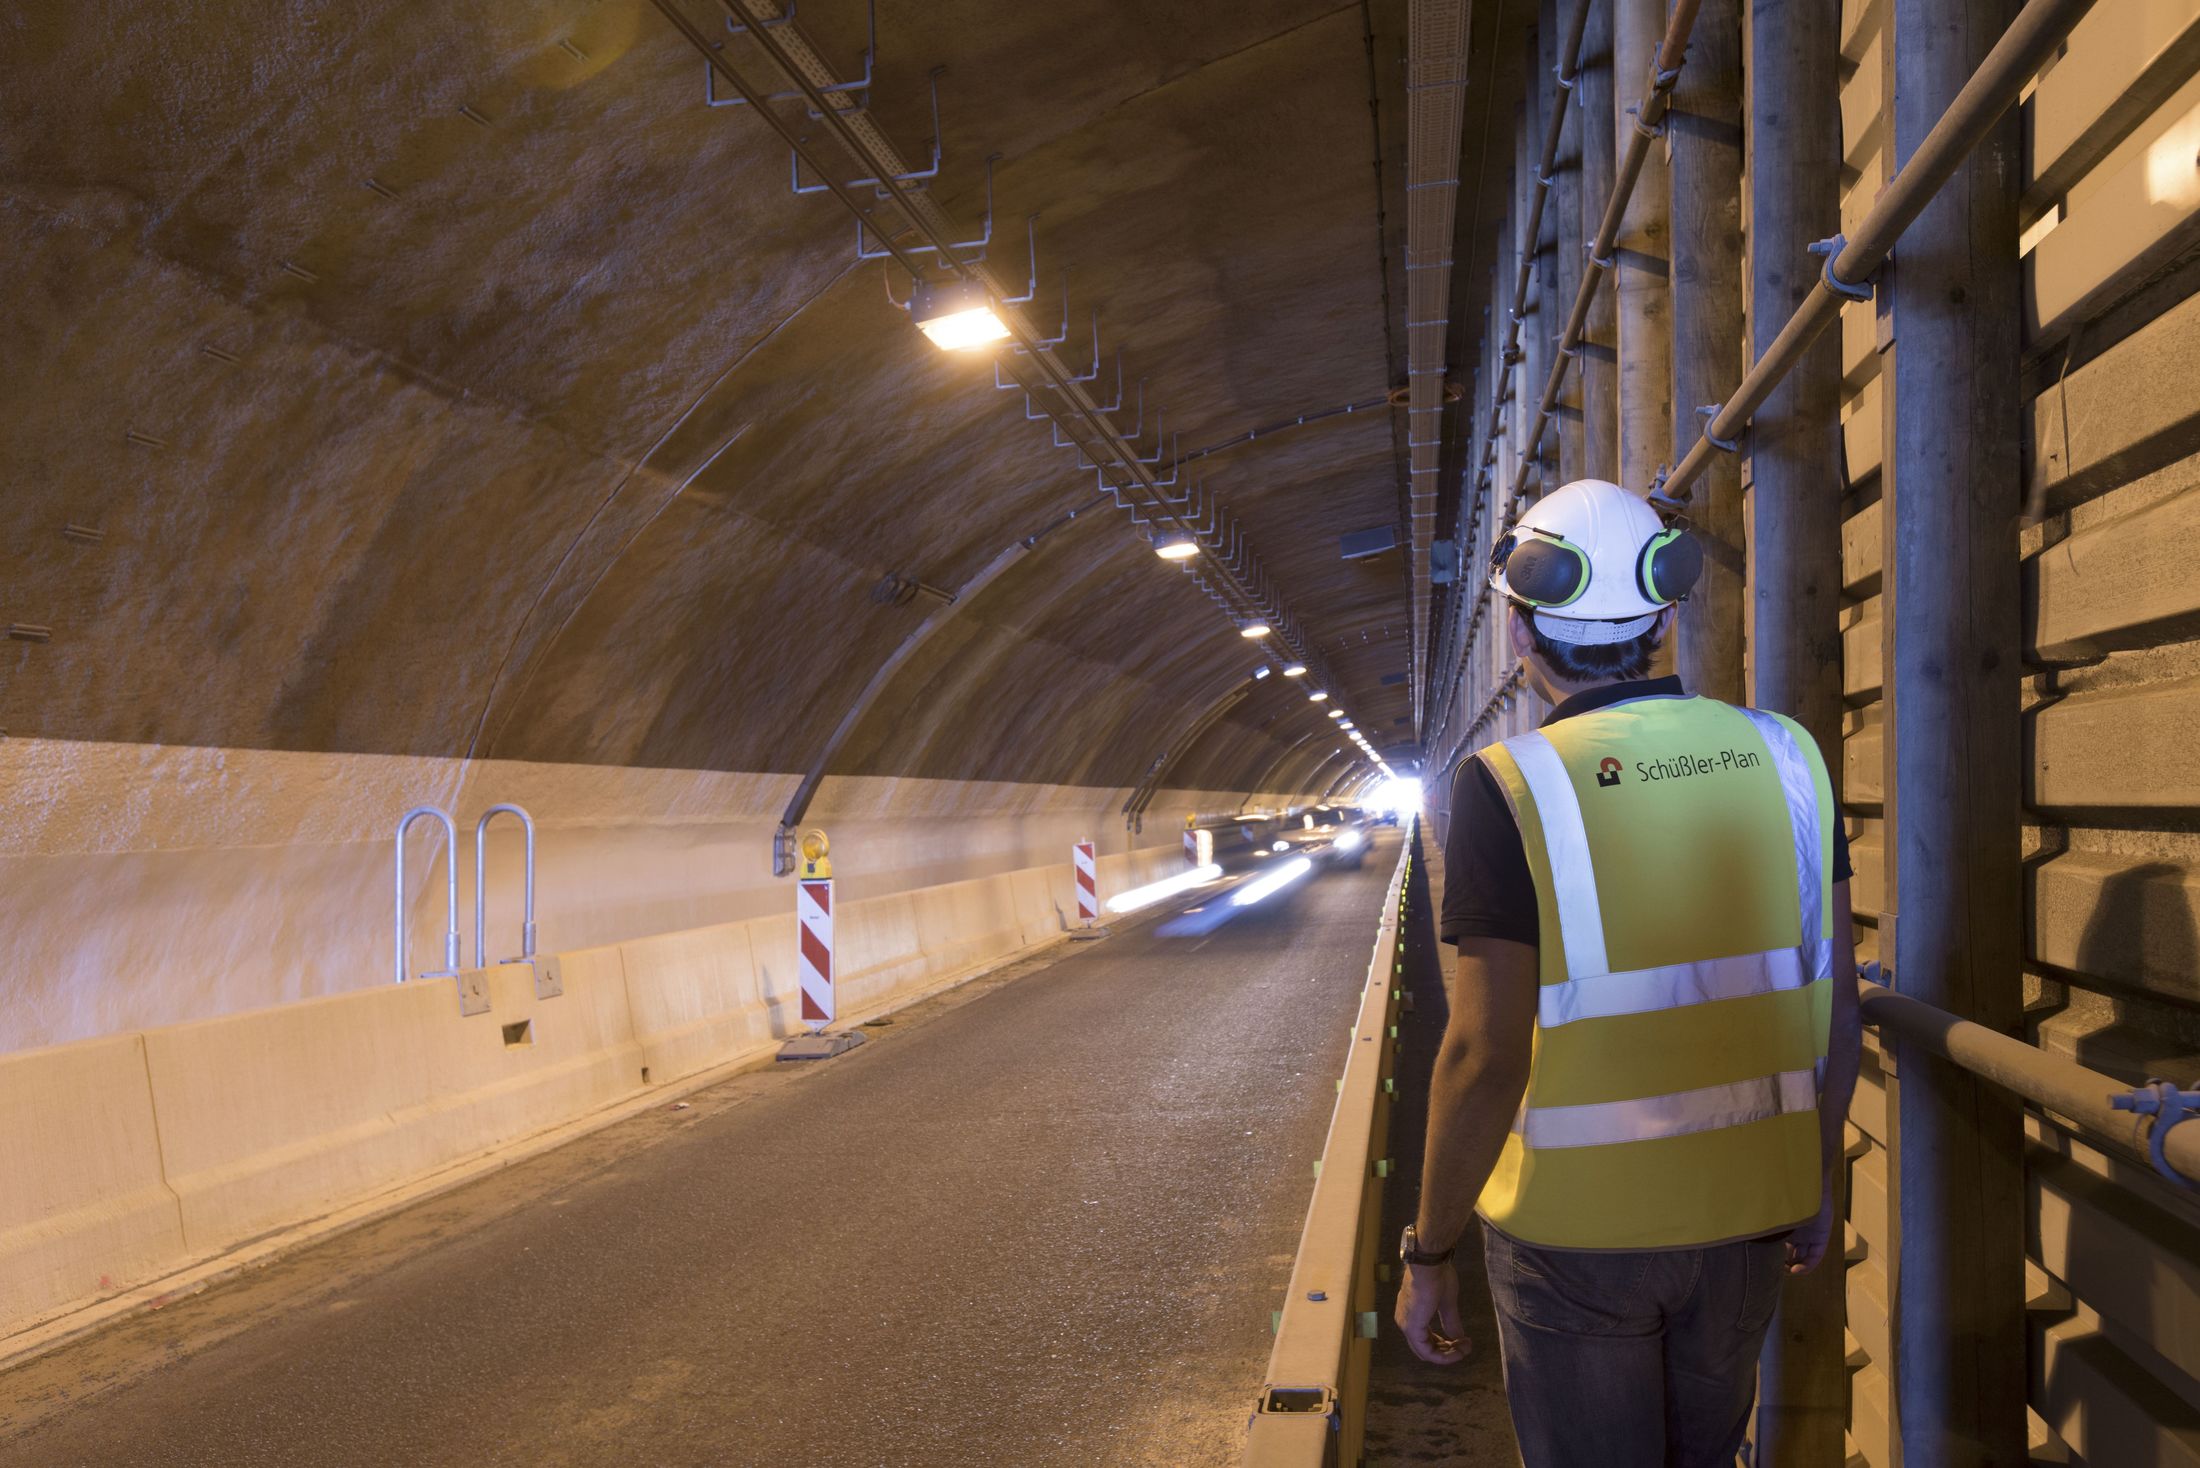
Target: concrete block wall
x=133 y=1156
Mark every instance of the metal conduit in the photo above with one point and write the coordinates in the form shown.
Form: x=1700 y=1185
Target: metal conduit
x=2028 y=44
x=2061 y=1086
x=1079 y=417
x=1436 y=83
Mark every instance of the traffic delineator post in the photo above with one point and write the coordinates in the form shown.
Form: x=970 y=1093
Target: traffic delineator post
x=813 y=916
x=1085 y=869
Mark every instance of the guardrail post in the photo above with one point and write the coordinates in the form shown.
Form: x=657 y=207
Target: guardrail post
x=1951 y=523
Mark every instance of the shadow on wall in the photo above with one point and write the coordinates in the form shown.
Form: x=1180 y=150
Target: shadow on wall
x=2141 y=935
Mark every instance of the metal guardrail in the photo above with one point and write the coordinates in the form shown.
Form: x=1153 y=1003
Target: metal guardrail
x=1312 y=1407
x=2062 y=1086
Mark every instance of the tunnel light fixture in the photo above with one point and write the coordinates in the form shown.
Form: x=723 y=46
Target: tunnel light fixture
x=1295 y=670
x=1336 y=713
x=1348 y=724
x=1255 y=629
x=1261 y=672
x=1318 y=696
x=956 y=315
x=1176 y=547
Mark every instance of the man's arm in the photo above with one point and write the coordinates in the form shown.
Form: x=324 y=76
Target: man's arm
x=1844 y=1052
x=1474 y=1091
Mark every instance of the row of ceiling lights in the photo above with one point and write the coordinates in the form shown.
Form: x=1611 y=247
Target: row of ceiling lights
x=959 y=316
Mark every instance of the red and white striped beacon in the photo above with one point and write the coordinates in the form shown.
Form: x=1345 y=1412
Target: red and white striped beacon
x=813 y=913
x=1088 y=883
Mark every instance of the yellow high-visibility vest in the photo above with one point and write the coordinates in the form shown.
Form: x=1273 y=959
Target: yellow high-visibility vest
x=1682 y=850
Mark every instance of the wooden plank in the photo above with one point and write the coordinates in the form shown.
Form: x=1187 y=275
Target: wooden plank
x=2125 y=582
x=2129 y=919
x=1868 y=860
x=2119 y=64
x=2135 y=211
x=2127 y=411
x=1871 y=1423
x=1860 y=554
x=2132 y=1263
x=1861 y=654
x=1868 y=1203
x=1870 y=1311
x=1860 y=433
x=2104 y=1405
x=1863 y=761
x=2124 y=748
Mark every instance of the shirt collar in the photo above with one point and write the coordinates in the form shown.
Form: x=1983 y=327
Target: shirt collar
x=1605 y=695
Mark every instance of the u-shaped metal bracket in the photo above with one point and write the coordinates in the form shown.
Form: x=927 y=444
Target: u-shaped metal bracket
x=481 y=887
x=450 y=936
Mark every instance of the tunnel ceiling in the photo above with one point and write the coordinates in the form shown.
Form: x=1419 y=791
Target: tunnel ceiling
x=451 y=380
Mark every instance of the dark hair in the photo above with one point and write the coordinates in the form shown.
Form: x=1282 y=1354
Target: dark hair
x=1602 y=663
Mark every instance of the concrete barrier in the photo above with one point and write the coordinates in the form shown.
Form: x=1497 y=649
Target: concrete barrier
x=279 y=1115
x=83 y=1209
x=129 y=1158
x=695 y=999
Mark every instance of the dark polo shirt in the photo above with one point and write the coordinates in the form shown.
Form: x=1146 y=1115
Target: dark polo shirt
x=1488 y=890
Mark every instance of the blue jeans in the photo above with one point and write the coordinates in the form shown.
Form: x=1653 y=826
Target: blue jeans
x=1632 y=1360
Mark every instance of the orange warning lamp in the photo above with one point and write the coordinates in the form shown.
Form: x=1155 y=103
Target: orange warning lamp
x=815 y=847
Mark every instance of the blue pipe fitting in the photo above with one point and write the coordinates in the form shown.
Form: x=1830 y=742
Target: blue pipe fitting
x=2168 y=1105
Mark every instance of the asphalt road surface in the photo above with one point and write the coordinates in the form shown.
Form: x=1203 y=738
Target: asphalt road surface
x=1040 y=1220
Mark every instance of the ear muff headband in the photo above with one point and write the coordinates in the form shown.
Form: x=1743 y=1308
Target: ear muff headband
x=1545 y=571
x=1671 y=561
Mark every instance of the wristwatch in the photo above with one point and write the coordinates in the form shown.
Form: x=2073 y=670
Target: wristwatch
x=1411 y=1252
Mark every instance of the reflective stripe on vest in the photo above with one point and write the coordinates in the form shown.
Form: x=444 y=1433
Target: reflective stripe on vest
x=1590 y=990
x=1610 y=1122
x=1670 y=986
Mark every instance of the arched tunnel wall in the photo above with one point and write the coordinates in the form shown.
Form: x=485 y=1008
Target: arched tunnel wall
x=448 y=405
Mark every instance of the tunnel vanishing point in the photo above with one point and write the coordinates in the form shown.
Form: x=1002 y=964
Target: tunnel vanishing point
x=556 y=552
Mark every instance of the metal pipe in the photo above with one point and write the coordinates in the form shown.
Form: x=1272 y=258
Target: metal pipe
x=2060 y=1086
x=481 y=886
x=450 y=937
x=2027 y=45
x=842 y=121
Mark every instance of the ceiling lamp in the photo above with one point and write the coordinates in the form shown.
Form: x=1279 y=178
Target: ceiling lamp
x=1254 y=629
x=1318 y=695
x=1176 y=547
x=1261 y=672
x=957 y=315
x=1295 y=670
x=1336 y=713
x=1347 y=724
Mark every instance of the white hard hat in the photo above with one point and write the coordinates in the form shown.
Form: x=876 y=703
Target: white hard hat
x=1594 y=563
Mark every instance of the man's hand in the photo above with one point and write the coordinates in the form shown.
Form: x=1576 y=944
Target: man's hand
x=1428 y=1312
x=1806 y=1245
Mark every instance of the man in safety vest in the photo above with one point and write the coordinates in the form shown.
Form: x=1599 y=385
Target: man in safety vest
x=1654 y=1032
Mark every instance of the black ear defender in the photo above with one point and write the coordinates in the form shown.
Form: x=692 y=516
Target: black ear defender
x=1670 y=564
x=1542 y=569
